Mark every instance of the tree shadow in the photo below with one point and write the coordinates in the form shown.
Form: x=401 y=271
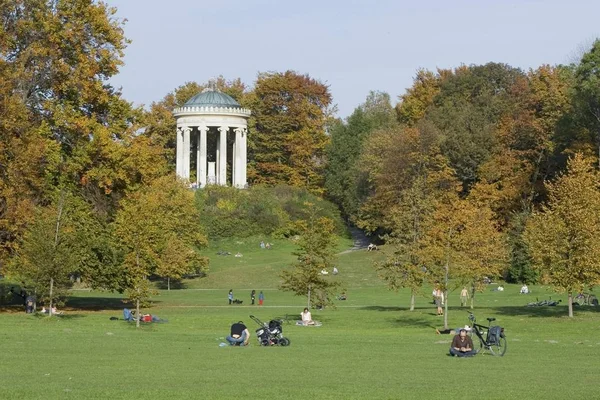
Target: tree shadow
x=66 y=317
x=96 y=303
x=541 y=311
x=383 y=308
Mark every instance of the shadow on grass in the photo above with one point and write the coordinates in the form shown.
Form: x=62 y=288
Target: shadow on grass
x=175 y=285
x=96 y=303
x=543 y=311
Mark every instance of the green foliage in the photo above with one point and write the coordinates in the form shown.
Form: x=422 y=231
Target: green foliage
x=56 y=247
x=270 y=211
x=564 y=238
x=520 y=269
x=345 y=183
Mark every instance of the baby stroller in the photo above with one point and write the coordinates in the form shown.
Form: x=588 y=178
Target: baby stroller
x=270 y=334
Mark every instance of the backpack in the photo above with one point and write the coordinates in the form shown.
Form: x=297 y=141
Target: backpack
x=494 y=334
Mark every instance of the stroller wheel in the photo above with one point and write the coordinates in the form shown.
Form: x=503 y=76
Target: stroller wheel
x=284 y=341
x=265 y=342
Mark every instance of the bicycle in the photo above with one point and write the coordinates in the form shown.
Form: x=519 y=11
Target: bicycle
x=586 y=299
x=491 y=338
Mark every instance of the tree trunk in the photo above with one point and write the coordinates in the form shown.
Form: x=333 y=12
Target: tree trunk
x=446 y=297
x=168 y=284
x=570 y=304
x=51 y=291
x=137 y=313
x=412 y=300
x=472 y=296
x=308 y=298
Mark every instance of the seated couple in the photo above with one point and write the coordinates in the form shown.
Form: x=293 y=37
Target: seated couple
x=462 y=345
x=239 y=334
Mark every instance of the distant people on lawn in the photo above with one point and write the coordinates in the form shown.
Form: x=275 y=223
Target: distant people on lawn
x=238 y=255
x=306 y=317
x=268 y=246
x=371 y=247
x=324 y=272
x=239 y=334
x=262 y=244
x=335 y=271
x=261 y=298
x=253 y=296
x=462 y=345
x=464 y=296
x=524 y=289
x=230 y=296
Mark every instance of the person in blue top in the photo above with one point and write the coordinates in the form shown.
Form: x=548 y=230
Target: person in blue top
x=261 y=298
x=230 y=296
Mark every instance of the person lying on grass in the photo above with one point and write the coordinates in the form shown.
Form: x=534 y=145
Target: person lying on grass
x=462 y=345
x=239 y=334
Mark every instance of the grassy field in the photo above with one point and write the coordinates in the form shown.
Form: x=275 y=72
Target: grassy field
x=370 y=346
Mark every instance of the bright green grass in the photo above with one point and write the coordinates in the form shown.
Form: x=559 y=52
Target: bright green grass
x=371 y=346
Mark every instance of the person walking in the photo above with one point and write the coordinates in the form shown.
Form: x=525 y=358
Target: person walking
x=230 y=296
x=464 y=296
x=439 y=301
x=261 y=298
x=253 y=296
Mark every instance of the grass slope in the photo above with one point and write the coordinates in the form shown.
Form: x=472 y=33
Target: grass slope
x=371 y=346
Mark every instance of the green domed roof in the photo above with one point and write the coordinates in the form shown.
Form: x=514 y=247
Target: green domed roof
x=212 y=98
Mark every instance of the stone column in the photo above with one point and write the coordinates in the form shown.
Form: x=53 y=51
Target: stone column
x=179 y=154
x=222 y=167
x=243 y=158
x=201 y=156
x=186 y=152
x=237 y=159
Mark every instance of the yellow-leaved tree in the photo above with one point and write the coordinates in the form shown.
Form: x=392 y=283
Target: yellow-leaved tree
x=462 y=245
x=564 y=237
x=159 y=228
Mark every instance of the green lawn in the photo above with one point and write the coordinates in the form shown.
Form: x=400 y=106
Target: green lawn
x=371 y=346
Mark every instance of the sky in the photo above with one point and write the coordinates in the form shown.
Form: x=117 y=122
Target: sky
x=353 y=46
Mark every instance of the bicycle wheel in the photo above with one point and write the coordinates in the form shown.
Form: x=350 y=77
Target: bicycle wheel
x=478 y=346
x=498 y=349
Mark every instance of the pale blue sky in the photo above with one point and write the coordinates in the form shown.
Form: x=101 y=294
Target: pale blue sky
x=354 y=46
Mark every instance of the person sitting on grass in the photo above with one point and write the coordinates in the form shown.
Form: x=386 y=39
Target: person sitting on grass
x=306 y=317
x=462 y=345
x=239 y=334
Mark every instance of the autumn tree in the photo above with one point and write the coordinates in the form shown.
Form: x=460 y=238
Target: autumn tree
x=55 y=247
x=344 y=182
x=462 y=245
x=158 y=225
x=587 y=92
x=419 y=97
x=316 y=250
x=287 y=136
x=564 y=237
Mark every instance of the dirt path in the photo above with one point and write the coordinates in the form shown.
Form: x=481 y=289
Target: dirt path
x=361 y=241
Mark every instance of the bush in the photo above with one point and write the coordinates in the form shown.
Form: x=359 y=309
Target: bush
x=272 y=211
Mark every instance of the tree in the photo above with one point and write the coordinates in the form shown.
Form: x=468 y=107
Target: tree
x=287 y=131
x=564 y=238
x=54 y=247
x=587 y=92
x=344 y=182
x=157 y=225
x=462 y=244
x=418 y=98
x=316 y=252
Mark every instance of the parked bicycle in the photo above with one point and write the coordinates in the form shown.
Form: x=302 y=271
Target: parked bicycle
x=542 y=303
x=585 y=299
x=491 y=338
